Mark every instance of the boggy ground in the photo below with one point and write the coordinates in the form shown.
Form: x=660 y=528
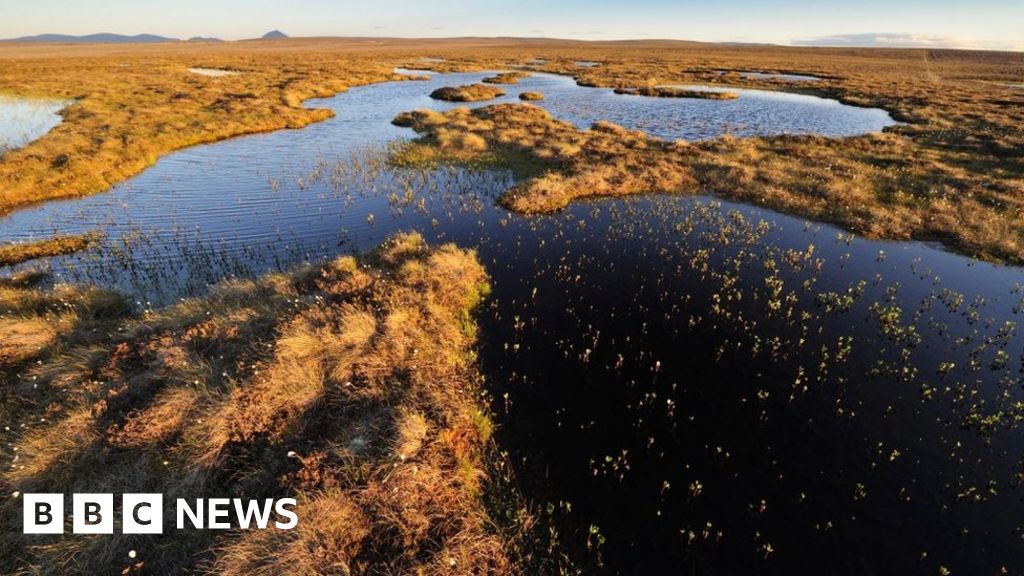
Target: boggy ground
x=954 y=172
x=131 y=105
x=793 y=174
x=352 y=387
x=887 y=185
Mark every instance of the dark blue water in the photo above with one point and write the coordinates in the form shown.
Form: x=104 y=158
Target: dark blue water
x=694 y=386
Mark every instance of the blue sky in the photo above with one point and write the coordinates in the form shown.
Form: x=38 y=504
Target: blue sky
x=966 y=24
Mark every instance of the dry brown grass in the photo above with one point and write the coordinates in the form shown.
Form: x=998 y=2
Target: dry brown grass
x=352 y=387
x=676 y=92
x=18 y=252
x=530 y=96
x=506 y=78
x=469 y=93
x=133 y=104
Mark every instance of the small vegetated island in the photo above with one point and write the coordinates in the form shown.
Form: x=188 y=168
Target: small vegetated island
x=467 y=93
x=506 y=78
x=18 y=252
x=531 y=96
x=677 y=92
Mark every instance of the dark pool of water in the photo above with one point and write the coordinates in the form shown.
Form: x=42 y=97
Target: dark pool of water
x=671 y=375
x=694 y=386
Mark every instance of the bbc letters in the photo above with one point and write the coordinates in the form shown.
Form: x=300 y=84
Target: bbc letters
x=144 y=513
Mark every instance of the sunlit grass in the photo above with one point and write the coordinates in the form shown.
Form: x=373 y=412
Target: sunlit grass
x=350 y=385
x=18 y=252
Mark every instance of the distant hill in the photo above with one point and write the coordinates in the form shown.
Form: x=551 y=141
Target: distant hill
x=103 y=38
x=274 y=35
x=204 y=39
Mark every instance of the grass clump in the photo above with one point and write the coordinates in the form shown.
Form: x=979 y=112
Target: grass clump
x=467 y=93
x=677 y=92
x=607 y=160
x=460 y=140
x=351 y=386
x=529 y=96
x=18 y=252
x=506 y=78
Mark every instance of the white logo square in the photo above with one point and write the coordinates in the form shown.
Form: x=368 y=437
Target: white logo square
x=43 y=513
x=92 y=514
x=142 y=513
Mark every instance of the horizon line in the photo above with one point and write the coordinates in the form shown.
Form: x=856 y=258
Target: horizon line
x=823 y=42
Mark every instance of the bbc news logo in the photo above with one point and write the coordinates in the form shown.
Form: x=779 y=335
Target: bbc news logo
x=144 y=513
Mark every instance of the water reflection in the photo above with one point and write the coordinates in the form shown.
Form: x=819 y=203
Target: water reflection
x=22 y=120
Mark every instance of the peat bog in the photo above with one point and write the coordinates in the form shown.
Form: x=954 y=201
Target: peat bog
x=676 y=382
x=671 y=376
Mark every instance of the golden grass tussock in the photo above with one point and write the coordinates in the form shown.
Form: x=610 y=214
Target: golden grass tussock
x=330 y=533
x=607 y=160
x=352 y=387
x=506 y=78
x=18 y=252
x=531 y=96
x=467 y=93
x=21 y=339
x=677 y=92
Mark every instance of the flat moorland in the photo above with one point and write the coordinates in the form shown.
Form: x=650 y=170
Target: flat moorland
x=953 y=172
x=351 y=387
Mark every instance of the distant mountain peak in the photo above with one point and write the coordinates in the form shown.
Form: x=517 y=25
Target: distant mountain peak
x=274 y=35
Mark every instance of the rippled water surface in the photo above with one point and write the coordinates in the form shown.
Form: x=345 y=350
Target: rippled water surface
x=694 y=386
x=211 y=191
x=22 y=120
